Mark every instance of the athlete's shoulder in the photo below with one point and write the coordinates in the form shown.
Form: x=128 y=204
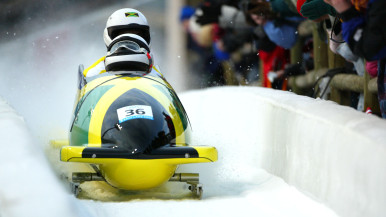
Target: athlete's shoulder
x=156 y=70
x=96 y=68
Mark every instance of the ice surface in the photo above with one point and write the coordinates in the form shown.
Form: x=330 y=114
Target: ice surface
x=233 y=185
x=39 y=81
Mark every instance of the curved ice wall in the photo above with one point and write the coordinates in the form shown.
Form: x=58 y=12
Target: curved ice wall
x=331 y=152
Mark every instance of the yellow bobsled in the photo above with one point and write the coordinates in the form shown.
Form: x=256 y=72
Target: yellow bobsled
x=133 y=130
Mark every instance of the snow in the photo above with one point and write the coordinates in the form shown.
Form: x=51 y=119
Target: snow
x=233 y=185
x=24 y=173
x=241 y=123
x=331 y=152
x=279 y=154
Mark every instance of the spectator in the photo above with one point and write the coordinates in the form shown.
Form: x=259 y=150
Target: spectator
x=199 y=41
x=277 y=77
x=283 y=8
x=279 y=30
x=339 y=46
x=227 y=37
x=197 y=54
x=364 y=30
x=272 y=56
x=186 y=13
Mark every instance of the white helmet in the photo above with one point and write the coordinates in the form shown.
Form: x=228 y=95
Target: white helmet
x=128 y=52
x=126 y=20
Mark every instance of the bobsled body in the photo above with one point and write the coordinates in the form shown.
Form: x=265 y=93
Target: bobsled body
x=134 y=128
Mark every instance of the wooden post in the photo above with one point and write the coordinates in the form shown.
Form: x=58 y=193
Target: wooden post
x=320 y=50
x=296 y=52
x=229 y=74
x=261 y=76
x=302 y=84
x=335 y=60
x=370 y=99
x=337 y=95
x=296 y=56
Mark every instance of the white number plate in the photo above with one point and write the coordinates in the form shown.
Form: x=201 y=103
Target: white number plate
x=134 y=112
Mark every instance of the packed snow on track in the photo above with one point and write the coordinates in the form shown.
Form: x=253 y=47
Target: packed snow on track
x=41 y=93
x=232 y=186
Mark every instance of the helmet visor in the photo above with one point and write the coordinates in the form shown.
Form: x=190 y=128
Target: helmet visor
x=130 y=45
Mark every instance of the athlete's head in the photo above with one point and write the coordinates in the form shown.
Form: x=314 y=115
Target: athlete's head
x=126 y=20
x=128 y=52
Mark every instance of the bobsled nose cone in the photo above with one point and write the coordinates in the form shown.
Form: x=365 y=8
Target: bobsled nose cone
x=207 y=152
x=69 y=152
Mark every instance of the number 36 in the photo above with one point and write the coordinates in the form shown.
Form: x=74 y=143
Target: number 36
x=131 y=112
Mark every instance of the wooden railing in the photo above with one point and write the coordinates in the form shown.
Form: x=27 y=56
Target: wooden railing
x=341 y=84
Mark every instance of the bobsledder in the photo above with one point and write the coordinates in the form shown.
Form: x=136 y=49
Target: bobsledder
x=128 y=123
x=133 y=131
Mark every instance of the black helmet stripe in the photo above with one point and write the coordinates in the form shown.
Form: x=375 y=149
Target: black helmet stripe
x=123 y=38
x=114 y=31
x=124 y=65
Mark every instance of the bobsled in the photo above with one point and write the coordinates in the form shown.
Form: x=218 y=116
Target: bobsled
x=133 y=131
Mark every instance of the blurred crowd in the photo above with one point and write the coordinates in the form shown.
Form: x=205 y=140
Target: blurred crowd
x=249 y=42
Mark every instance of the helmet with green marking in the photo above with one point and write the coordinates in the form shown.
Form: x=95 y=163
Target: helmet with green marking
x=126 y=20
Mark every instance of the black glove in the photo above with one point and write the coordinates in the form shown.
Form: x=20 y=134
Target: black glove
x=208 y=12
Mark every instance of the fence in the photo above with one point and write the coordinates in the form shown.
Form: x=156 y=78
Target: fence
x=341 y=85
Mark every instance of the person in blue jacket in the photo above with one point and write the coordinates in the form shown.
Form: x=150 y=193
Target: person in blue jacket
x=280 y=30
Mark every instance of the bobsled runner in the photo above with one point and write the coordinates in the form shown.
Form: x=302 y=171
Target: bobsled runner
x=133 y=131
